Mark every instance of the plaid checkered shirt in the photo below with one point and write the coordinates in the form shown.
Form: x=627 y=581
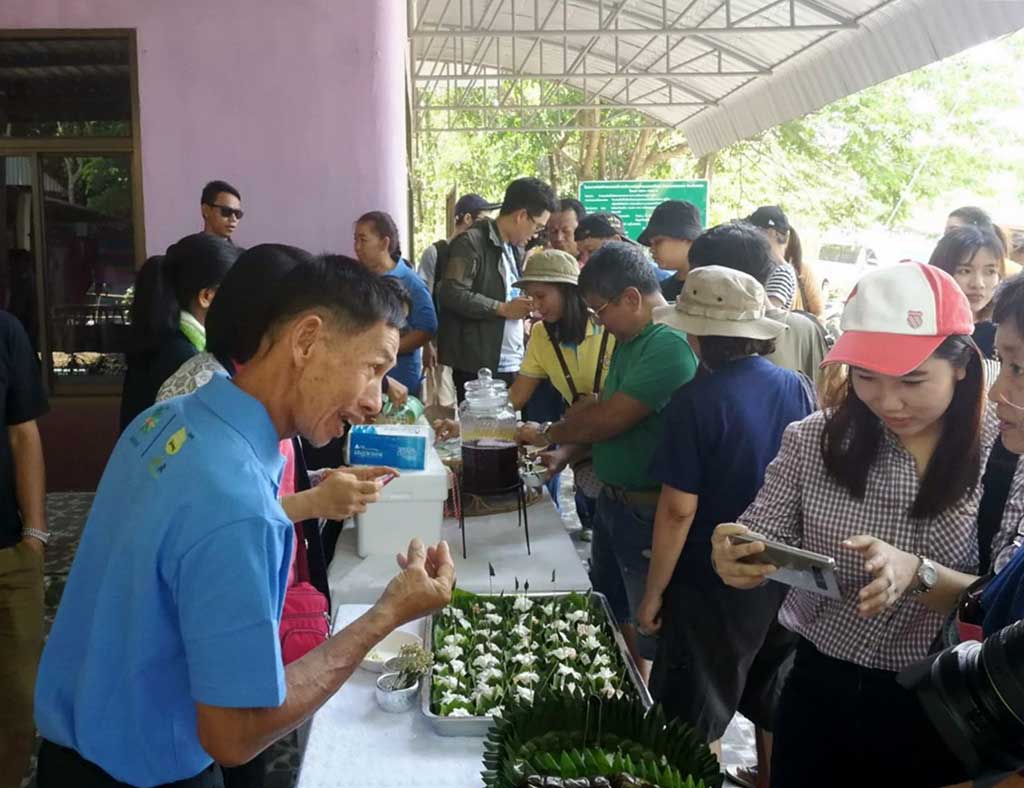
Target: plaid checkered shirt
x=801 y=505
x=1011 y=535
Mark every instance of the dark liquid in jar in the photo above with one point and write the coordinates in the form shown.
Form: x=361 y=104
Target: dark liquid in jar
x=489 y=466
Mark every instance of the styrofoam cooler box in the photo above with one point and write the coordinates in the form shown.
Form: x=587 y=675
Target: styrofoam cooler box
x=411 y=505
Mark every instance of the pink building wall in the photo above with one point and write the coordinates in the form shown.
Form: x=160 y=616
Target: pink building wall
x=298 y=103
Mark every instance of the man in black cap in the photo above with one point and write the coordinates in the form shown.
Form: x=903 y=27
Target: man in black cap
x=670 y=231
x=787 y=287
x=439 y=387
x=595 y=230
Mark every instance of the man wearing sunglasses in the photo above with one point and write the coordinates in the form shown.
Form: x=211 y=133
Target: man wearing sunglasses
x=221 y=205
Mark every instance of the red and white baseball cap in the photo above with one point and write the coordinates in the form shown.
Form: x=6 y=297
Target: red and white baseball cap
x=896 y=317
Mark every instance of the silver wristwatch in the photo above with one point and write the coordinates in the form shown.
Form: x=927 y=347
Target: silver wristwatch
x=543 y=431
x=35 y=533
x=927 y=577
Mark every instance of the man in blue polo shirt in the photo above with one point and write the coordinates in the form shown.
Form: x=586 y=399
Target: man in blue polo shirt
x=164 y=656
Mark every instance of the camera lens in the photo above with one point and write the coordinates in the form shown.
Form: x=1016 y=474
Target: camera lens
x=974 y=696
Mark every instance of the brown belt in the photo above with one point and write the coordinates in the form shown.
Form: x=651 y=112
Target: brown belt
x=632 y=497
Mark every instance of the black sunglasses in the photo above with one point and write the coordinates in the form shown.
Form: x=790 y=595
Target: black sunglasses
x=227 y=212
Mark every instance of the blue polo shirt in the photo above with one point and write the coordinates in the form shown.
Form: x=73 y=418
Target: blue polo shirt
x=720 y=433
x=176 y=591
x=422 y=317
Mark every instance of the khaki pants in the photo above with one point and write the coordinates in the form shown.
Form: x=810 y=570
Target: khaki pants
x=21 y=642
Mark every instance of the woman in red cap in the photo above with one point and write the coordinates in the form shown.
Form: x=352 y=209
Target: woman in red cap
x=886 y=483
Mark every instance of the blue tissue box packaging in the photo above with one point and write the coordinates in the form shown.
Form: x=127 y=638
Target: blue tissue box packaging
x=399 y=446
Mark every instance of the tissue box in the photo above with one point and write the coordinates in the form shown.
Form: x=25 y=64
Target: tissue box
x=402 y=446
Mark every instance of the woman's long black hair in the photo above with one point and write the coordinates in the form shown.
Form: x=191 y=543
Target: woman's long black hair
x=167 y=284
x=853 y=434
x=571 y=327
x=961 y=244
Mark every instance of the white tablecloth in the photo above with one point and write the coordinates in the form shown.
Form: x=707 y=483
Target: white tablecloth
x=353 y=743
x=494 y=540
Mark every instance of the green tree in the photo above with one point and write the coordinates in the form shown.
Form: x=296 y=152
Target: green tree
x=870 y=158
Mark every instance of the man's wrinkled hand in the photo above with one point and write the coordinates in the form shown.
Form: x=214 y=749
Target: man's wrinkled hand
x=342 y=494
x=369 y=473
x=423 y=586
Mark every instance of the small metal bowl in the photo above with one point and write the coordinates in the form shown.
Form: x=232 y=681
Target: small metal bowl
x=395 y=700
x=534 y=476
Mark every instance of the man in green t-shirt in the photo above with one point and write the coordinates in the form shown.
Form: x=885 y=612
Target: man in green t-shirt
x=623 y=426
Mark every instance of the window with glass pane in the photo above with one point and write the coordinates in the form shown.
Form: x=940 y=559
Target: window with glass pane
x=89 y=269
x=65 y=87
x=19 y=293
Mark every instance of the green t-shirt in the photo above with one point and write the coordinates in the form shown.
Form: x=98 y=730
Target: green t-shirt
x=649 y=368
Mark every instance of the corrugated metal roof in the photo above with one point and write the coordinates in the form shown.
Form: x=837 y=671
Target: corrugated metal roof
x=720 y=70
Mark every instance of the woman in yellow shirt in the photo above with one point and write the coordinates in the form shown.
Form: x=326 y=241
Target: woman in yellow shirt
x=567 y=346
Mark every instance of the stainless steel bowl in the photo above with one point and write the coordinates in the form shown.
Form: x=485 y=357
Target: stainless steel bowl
x=395 y=700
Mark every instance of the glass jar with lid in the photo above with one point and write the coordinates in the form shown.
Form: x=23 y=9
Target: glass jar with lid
x=490 y=455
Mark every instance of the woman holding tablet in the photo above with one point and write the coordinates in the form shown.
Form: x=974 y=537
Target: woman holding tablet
x=887 y=483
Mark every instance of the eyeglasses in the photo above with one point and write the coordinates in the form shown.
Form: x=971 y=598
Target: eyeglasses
x=596 y=313
x=227 y=211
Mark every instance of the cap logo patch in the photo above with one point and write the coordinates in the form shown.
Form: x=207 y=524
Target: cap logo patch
x=915 y=318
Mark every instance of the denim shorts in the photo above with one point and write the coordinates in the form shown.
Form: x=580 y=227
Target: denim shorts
x=630 y=529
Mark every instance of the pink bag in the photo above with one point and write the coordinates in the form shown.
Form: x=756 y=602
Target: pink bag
x=305 y=623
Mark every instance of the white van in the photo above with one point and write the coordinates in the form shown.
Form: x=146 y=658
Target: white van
x=841 y=264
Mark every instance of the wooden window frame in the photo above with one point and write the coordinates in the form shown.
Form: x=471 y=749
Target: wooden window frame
x=34 y=147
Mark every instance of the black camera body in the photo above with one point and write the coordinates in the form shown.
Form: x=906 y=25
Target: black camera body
x=973 y=693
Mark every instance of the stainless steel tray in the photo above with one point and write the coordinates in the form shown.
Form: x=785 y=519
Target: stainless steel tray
x=478 y=726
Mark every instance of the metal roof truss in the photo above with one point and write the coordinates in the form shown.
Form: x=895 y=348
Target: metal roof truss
x=669 y=60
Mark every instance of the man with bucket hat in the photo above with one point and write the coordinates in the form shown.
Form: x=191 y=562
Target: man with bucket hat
x=719 y=650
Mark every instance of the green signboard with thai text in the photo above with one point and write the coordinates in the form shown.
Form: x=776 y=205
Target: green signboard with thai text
x=634 y=201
